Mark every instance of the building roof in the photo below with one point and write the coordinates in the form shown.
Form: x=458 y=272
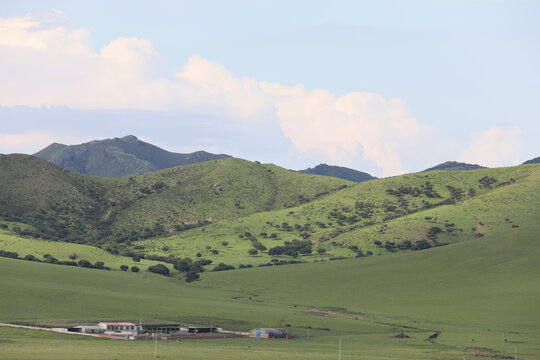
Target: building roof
x=270 y=330
x=118 y=323
x=87 y=327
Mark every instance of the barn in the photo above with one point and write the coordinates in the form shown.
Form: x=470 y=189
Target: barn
x=265 y=333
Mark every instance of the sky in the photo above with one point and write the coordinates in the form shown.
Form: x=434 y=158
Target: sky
x=386 y=87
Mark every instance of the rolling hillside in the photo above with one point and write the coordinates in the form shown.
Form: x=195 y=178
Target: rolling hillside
x=60 y=205
x=118 y=157
x=415 y=211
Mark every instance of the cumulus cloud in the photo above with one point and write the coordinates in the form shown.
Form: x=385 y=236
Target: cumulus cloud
x=46 y=62
x=496 y=146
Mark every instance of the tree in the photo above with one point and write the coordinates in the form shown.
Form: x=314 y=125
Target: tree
x=134 y=269
x=191 y=276
x=224 y=243
x=215 y=252
x=198 y=254
x=321 y=251
x=73 y=256
x=124 y=267
x=252 y=252
x=84 y=263
x=159 y=269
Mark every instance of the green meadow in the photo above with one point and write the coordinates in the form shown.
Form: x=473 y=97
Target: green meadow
x=471 y=292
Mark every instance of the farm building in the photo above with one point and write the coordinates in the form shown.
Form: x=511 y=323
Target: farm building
x=86 y=329
x=202 y=329
x=163 y=328
x=269 y=333
x=119 y=328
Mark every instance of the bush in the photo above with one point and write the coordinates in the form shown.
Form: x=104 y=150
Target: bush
x=215 y=252
x=124 y=267
x=198 y=254
x=159 y=269
x=134 y=269
x=73 y=256
x=321 y=251
x=85 y=263
x=252 y=252
x=191 y=276
x=223 y=267
x=224 y=243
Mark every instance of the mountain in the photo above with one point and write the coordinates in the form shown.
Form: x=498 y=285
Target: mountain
x=119 y=157
x=454 y=166
x=339 y=172
x=532 y=161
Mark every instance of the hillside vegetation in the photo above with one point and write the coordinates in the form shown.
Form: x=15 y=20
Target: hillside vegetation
x=64 y=206
x=117 y=157
x=454 y=166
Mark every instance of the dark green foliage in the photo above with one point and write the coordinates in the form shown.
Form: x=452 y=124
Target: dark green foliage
x=433 y=232
x=421 y=245
x=191 y=276
x=321 y=251
x=487 y=181
x=292 y=248
x=224 y=243
x=252 y=252
x=134 y=269
x=159 y=269
x=124 y=267
x=85 y=263
x=223 y=267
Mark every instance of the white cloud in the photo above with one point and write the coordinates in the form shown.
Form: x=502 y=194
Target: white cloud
x=31 y=141
x=45 y=62
x=496 y=146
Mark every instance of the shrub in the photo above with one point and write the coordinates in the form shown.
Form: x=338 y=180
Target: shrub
x=198 y=255
x=85 y=263
x=224 y=243
x=191 y=276
x=223 y=267
x=159 y=269
x=124 y=267
x=215 y=252
x=73 y=256
x=134 y=269
x=321 y=251
x=252 y=252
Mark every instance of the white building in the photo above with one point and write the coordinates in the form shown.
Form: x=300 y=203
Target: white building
x=120 y=328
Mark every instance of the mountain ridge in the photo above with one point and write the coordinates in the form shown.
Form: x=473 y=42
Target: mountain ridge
x=454 y=166
x=119 y=157
x=339 y=172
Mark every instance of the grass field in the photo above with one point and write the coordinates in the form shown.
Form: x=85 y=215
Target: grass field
x=471 y=292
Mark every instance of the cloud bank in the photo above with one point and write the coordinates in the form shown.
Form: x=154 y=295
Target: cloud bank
x=45 y=62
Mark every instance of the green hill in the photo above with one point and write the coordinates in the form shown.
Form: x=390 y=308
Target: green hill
x=415 y=211
x=118 y=157
x=454 y=166
x=65 y=206
x=339 y=172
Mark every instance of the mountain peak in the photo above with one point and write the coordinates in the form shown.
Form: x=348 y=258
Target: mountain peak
x=119 y=157
x=454 y=166
x=339 y=172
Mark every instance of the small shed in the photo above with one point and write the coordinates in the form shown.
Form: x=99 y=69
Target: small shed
x=265 y=333
x=86 y=329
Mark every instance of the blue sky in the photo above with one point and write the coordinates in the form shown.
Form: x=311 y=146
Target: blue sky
x=383 y=86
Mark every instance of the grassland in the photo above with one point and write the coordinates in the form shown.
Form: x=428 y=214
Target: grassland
x=471 y=292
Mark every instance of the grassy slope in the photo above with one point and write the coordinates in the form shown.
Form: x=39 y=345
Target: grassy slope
x=518 y=201
x=62 y=251
x=86 y=208
x=469 y=290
